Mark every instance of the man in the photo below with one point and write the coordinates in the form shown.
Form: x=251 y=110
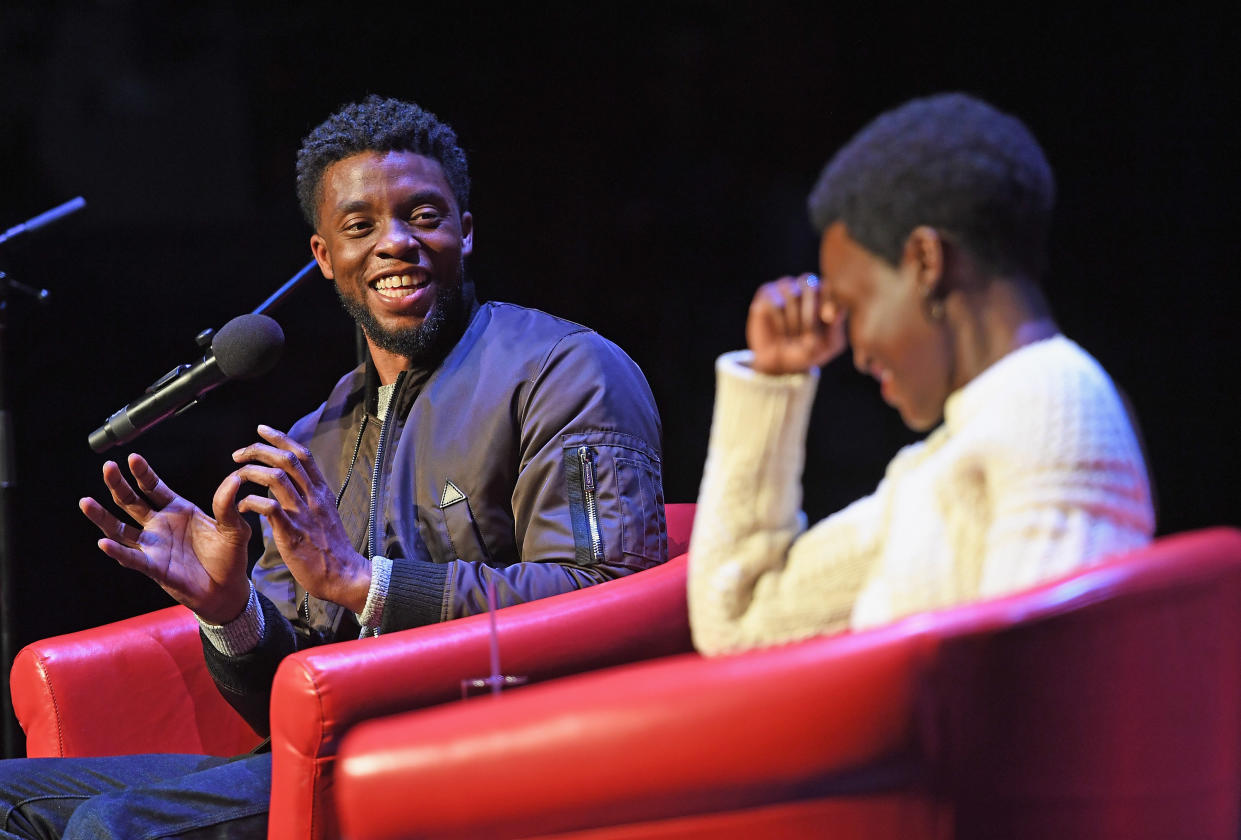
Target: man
x=933 y=222
x=480 y=446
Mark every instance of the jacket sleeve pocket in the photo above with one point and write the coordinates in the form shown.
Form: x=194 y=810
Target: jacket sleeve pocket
x=643 y=532
x=615 y=496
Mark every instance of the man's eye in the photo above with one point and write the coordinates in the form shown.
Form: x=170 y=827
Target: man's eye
x=357 y=226
x=427 y=217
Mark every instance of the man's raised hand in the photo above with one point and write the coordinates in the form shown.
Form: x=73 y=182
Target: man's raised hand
x=199 y=561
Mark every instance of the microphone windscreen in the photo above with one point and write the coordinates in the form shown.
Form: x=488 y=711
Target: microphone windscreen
x=248 y=346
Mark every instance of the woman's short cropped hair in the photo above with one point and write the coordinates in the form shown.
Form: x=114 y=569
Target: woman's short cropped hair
x=949 y=161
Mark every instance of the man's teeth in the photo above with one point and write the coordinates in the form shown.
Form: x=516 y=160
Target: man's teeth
x=396 y=286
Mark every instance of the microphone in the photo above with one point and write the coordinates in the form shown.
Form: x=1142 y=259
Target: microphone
x=246 y=347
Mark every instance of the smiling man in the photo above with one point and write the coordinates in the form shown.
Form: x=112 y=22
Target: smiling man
x=407 y=302
x=933 y=223
x=480 y=447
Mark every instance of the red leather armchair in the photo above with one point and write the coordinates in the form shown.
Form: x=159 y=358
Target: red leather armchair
x=140 y=685
x=1103 y=705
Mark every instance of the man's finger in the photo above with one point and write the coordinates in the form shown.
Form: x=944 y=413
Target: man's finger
x=149 y=483
x=277 y=481
x=224 y=506
x=282 y=526
x=262 y=505
x=280 y=440
x=285 y=454
x=130 y=558
x=303 y=454
x=126 y=498
x=111 y=527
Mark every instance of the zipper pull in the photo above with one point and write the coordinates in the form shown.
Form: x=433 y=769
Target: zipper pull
x=588 y=468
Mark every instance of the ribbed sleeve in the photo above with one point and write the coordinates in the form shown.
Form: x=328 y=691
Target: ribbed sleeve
x=376 y=596
x=415 y=595
x=242 y=634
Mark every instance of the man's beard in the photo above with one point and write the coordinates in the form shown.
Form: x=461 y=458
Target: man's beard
x=425 y=342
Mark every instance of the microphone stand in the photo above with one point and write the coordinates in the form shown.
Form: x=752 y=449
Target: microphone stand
x=361 y=350
x=287 y=289
x=8 y=492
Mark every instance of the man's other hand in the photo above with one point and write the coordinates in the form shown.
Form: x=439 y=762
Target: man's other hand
x=306 y=526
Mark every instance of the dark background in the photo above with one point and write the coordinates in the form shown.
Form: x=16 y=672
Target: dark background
x=639 y=168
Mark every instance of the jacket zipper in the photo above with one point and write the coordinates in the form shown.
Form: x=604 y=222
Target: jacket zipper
x=353 y=462
x=592 y=506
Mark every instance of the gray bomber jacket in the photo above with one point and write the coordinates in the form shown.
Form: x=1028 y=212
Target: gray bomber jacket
x=530 y=454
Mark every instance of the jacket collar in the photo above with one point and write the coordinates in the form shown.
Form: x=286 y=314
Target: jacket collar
x=411 y=382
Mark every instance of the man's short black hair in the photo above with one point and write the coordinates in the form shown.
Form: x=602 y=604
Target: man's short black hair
x=378 y=125
x=949 y=161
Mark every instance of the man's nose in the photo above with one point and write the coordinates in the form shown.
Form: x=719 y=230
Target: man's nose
x=398 y=238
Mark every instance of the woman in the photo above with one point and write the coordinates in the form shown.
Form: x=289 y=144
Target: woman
x=934 y=221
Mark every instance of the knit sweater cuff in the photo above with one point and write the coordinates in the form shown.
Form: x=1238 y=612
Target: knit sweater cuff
x=759 y=427
x=372 y=614
x=415 y=594
x=242 y=634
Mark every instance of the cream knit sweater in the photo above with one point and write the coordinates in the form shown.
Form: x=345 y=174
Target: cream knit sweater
x=1034 y=472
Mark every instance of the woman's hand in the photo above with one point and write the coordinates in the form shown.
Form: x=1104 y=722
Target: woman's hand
x=793 y=326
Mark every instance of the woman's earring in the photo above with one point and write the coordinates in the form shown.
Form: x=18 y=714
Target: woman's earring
x=935 y=306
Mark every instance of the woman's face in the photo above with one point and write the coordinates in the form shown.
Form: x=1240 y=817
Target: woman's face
x=892 y=336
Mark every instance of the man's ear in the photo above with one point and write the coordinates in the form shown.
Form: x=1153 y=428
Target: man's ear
x=924 y=254
x=318 y=247
x=467 y=234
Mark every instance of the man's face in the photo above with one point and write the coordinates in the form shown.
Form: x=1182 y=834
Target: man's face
x=892 y=337
x=391 y=236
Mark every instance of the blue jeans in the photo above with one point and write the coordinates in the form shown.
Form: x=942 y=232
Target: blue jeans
x=135 y=797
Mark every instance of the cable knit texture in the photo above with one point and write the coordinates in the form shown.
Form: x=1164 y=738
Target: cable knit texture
x=1035 y=471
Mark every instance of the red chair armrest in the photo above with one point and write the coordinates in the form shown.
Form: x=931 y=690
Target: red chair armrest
x=679 y=736
x=133 y=686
